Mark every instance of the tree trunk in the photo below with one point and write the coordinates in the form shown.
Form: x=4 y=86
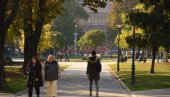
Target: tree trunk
x=3 y=84
x=28 y=33
x=32 y=37
x=28 y=51
x=5 y=22
x=154 y=50
x=39 y=24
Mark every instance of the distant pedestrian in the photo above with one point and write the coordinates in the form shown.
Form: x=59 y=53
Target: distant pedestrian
x=58 y=56
x=93 y=72
x=67 y=56
x=51 y=72
x=61 y=56
x=34 y=76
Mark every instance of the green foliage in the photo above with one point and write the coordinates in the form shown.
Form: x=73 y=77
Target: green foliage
x=93 y=38
x=58 y=40
x=153 y=19
x=117 y=11
x=82 y=43
x=50 y=39
x=67 y=21
x=13 y=38
x=45 y=40
x=126 y=39
x=118 y=8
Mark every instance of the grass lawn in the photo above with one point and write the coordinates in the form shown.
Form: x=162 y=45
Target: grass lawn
x=144 y=80
x=16 y=80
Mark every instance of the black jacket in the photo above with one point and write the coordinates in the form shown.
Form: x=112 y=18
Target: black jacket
x=33 y=73
x=93 y=68
x=51 y=70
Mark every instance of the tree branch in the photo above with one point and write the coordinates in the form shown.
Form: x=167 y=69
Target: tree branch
x=39 y=23
x=13 y=14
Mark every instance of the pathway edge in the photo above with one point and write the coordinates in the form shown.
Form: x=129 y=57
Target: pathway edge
x=120 y=83
x=19 y=93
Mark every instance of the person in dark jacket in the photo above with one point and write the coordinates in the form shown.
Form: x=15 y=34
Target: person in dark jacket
x=34 y=76
x=51 y=71
x=67 y=56
x=93 y=72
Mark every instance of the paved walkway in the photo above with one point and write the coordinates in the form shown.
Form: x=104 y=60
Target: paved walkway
x=73 y=83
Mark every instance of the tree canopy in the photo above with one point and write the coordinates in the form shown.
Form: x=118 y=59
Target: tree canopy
x=66 y=22
x=92 y=38
x=152 y=18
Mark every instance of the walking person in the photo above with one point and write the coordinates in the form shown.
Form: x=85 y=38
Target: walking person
x=51 y=71
x=67 y=56
x=34 y=76
x=93 y=72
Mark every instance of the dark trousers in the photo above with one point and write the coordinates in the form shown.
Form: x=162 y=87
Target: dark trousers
x=30 y=90
x=97 y=86
x=67 y=59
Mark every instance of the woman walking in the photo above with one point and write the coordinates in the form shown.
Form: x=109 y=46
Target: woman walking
x=34 y=76
x=93 y=72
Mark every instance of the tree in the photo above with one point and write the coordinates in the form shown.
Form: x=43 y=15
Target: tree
x=114 y=16
x=67 y=21
x=126 y=39
x=82 y=43
x=58 y=40
x=93 y=38
x=7 y=15
x=45 y=39
x=35 y=15
x=117 y=9
x=152 y=17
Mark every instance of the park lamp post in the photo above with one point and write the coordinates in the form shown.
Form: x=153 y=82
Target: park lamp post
x=54 y=34
x=133 y=79
x=119 y=27
x=75 y=40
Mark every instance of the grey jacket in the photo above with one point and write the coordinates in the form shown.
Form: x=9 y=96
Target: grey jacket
x=51 y=71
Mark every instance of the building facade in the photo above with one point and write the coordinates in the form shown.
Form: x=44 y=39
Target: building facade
x=96 y=20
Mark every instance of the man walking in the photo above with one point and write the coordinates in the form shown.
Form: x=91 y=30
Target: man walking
x=51 y=71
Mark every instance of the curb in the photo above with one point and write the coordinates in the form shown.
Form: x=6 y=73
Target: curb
x=121 y=84
x=13 y=95
x=21 y=92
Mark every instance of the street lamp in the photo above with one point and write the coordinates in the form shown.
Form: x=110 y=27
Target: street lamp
x=75 y=40
x=119 y=27
x=54 y=34
x=133 y=80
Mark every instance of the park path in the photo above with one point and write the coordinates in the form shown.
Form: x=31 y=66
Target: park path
x=73 y=83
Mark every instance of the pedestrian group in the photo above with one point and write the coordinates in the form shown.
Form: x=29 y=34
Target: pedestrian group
x=50 y=72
